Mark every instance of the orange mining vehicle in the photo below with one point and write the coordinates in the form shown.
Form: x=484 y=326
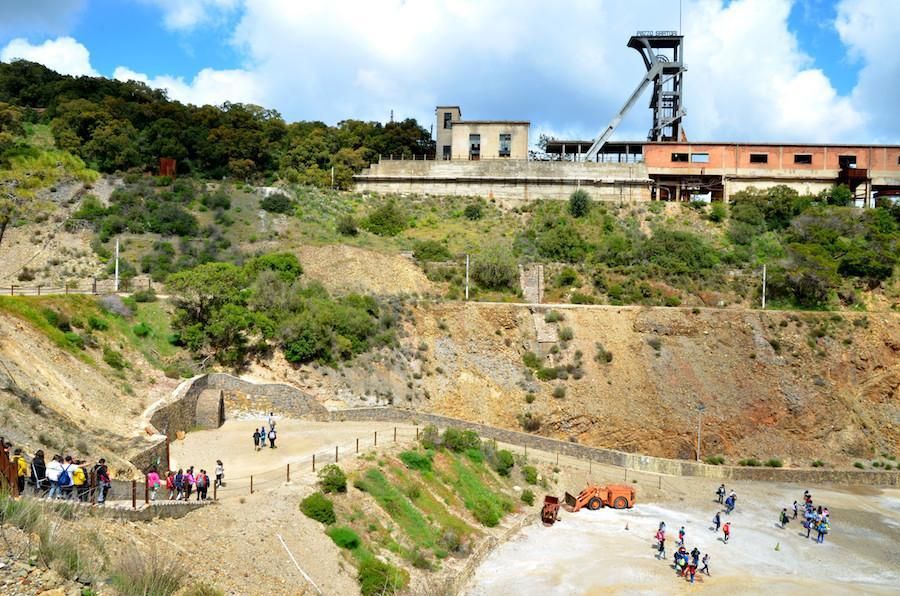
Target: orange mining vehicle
x=617 y=496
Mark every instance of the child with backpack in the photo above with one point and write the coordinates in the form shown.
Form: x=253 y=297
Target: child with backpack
x=717 y=521
x=272 y=437
x=189 y=483
x=256 y=438
x=64 y=480
x=153 y=483
x=726 y=529
x=681 y=536
x=202 y=485
x=262 y=437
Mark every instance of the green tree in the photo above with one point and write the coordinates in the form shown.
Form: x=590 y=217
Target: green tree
x=579 y=203
x=495 y=269
x=203 y=290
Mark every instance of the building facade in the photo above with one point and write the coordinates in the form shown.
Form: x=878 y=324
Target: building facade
x=476 y=140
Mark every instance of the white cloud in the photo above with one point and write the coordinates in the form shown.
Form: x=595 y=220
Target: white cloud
x=63 y=54
x=187 y=14
x=208 y=87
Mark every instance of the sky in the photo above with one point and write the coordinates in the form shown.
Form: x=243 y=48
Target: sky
x=758 y=70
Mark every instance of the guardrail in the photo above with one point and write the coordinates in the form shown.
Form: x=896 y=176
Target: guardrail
x=93 y=286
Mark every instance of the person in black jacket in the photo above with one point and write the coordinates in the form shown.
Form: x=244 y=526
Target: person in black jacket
x=39 y=474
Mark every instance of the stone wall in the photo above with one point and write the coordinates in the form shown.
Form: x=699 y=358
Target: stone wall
x=642 y=463
x=274 y=397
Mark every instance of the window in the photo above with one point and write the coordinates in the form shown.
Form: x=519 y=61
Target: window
x=448 y=116
x=846 y=161
x=803 y=158
x=475 y=147
x=505 y=144
x=700 y=157
x=759 y=158
x=679 y=157
x=446 y=151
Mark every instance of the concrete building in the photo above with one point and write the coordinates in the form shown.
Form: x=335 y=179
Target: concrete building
x=475 y=140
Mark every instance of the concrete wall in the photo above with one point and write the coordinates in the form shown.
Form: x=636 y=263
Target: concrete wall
x=490 y=139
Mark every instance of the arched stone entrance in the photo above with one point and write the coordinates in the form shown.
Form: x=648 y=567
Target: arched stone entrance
x=210 y=408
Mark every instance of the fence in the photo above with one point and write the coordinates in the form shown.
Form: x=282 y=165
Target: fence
x=92 y=286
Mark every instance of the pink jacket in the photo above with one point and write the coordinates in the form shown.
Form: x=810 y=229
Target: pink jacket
x=152 y=479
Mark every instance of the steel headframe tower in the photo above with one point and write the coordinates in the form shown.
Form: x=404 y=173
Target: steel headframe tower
x=663 y=56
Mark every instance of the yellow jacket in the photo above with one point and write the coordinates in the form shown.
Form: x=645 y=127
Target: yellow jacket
x=22 y=466
x=78 y=477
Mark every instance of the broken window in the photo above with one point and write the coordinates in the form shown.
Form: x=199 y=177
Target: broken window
x=803 y=158
x=505 y=144
x=448 y=116
x=474 y=146
x=759 y=158
x=700 y=157
x=680 y=157
x=846 y=161
x=446 y=153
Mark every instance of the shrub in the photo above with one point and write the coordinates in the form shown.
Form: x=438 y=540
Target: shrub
x=546 y=373
x=531 y=360
x=859 y=465
x=715 y=460
x=317 y=506
x=752 y=462
x=495 y=269
x=75 y=340
x=529 y=422
x=655 y=343
x=139 y=573
x=148 y=295
x=475 y=455
x=346 y=226
x=603 y=356
x=430 y=437
x=97 y=323
x=580 y=298
x=430 y=250
x=529 y=397
x=486 y=513
x=567 y=277
x=332 y=479
x=377 y=578
x=566 y=334
x=528 y=496
x=505 y=462
x=774 y=463
x=717 y=212
x=386 y=220
x=579 y=203
x=553 y=316
x=25 y=274
x=530 y=474
x=473 y=211
x=343 y=537
x=277 y=203
x=113 y=358
x=818 y=463
x=142 y=329
x=460 y=440
x=559 y=391
x=416 y=461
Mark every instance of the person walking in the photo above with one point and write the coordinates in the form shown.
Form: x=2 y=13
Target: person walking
x=795 y=509
x=220 y=473
x=79 y=478
x=256 y=438
x=717 y=521
x=271 y=420
x=189 y=481
x=661 y=544
x=179 y=485
x=726 y=529
x=262 y=437
x=720 y=493
x=202 y=485
x=821 y=530
x=153 y=483
x=729 y=504
x=21 y=470
x=784 y=517
x=170 y=484
x=53 y=470
x=39 y=473
x=705 y=568
x=272 y=437
x=101 y=473
x=681 y=536
x=809 y=522
x=64 y=479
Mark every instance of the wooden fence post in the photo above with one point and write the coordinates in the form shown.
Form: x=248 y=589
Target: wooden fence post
x=376 y=438
x=39 y=289
x=335 y=454
x=314 y=462
x=134 y=494
x=417 y=433
x=94 y=286
x=357 y=444
x=289 y=472
x=251 y=484
x=146 y=491
x=395 y=434
x=215 y=491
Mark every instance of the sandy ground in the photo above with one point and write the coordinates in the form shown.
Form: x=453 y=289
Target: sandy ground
x=592 y=552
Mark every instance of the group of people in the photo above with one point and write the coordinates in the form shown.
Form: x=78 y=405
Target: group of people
x=63 y=477
x=814 y=518
x=687 y=564
x=182 y=484
x=730 y=501
x=260 y=435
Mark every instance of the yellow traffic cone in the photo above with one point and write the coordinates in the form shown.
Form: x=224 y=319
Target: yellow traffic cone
x=777 y=546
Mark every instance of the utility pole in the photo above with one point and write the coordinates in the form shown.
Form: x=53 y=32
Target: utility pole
x=764 y=288
x=117 y=265
x=467 y=278
x=332 y=177
x=700 y=408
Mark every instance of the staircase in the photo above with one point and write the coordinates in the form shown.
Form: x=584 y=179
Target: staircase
x=531 y=281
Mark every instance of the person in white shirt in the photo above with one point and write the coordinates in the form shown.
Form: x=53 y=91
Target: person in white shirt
x=53 y=470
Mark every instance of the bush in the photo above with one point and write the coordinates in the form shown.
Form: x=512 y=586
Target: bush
x=579 y=203
x=486 y=513
x=430 y=250
x=818 y=463
x=386 y=220
x=317 y=506
x=505 y=462
x=473 y=211
x=344 y=537
x=25 y=274
x=416 y=461
x=346 y=226
x=567 y=277
x=859 y=465
x=715 y=460
x=566 y=334
x=460 y=440
x=113 y=358
x=655 y=343
x=717 y=213
x=529 y=422
x=332 y=479
x=75 y=340
x=140 y=573
x=277 y=203
x=531 y=360
x=774 y=463
x=553 y=316
x=752 y=462
x=559 y=391
x=495 y=269
x=527 y=496
x=97 y=323
x=377 y=578
x=580 y=298
x=546 y=373
x=142 y=329
x=144 y=296
x=530 y=474
x=603 y=356
x=430 y=437
x=475 y=455
x=529 y=397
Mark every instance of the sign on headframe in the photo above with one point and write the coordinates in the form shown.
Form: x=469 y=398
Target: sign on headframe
x=167 y=167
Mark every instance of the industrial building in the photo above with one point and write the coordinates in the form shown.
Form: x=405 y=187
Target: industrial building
x=490 y=157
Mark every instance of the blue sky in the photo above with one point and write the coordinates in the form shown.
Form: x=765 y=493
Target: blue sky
x=779 y=70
